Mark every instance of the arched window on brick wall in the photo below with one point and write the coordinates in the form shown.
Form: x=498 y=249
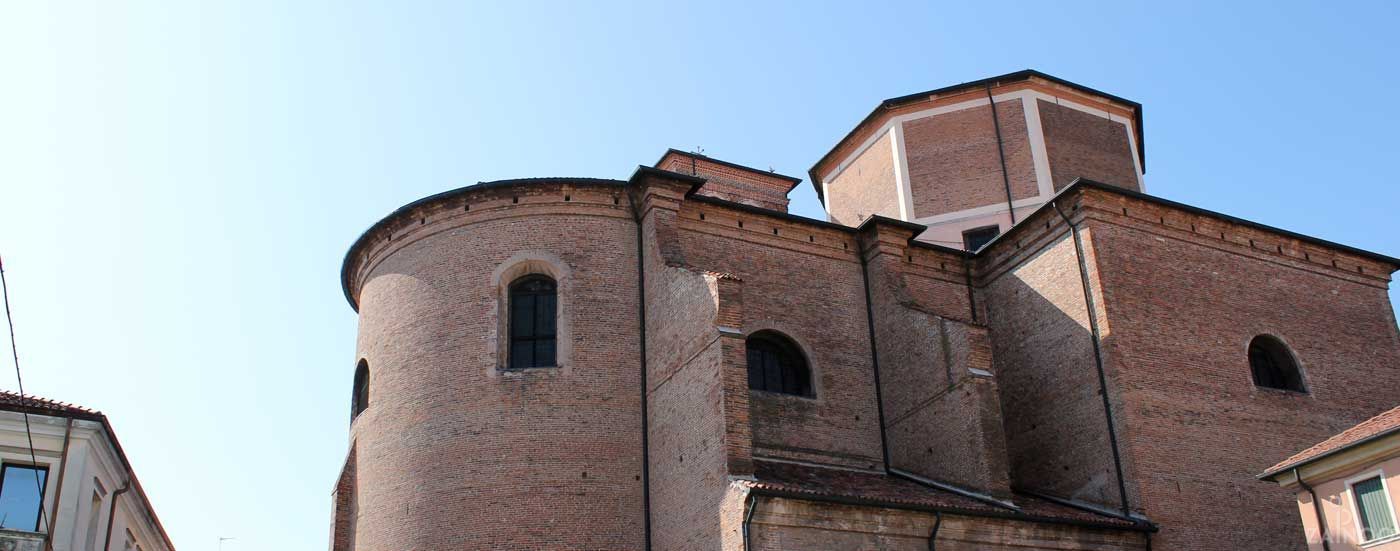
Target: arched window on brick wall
x=533 y=311
x=359 y=397
x=776 y=365
x=1273 y=365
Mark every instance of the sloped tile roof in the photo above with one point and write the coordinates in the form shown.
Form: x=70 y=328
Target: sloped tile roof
x=1367 y=430
x=879 y=490
x=11 y=401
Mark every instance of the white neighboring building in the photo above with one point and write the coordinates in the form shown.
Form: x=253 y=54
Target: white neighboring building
x=89 y=495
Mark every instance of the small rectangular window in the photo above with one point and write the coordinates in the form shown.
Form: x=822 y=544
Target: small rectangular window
x=21 y=496
x=1373 y=509
x=975 y=238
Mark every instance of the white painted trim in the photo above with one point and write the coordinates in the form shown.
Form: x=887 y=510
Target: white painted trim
x=1356 y=511
x=901 y=173
x=826 y=200
x=1019 y=94
x=1039 y=157
x=1137 y=163
x=996 y=208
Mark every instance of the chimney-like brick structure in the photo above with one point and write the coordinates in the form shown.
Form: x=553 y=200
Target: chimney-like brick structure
x=732 y=182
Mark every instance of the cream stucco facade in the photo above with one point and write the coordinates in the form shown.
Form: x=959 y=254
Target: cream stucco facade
x=90 y=499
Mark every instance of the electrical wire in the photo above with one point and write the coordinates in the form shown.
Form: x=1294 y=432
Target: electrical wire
x=14 y=352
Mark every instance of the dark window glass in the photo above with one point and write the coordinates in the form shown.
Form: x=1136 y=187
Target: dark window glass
x=359 y=398
x=21 y=496
x=975 y=238
x=1273 y=365
x=533 y=307
x=776 y=365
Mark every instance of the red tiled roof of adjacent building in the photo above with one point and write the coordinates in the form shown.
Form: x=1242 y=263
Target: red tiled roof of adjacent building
x=11 y=401
x=880 y=490
x=1370 y=429
x=34 y=405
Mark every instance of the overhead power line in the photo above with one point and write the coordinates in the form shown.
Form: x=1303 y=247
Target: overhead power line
x=14 y=352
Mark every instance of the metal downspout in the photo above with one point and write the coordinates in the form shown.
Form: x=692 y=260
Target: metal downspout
x=874 y=358
x=642 y=330
x=1098 y=356
x=112 y=515
x=1001 y=152
x=750 y=505
x=933 y=534
x=1317 y=510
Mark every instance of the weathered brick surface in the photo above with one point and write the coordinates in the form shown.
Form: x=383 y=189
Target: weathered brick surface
x=688 y=422
x=942 y=414
x=866 y=187
x=1056 y=430
x=954 y=163
x=1082 y=145
x=804 y=282
x=786 y=524
x=876 y=121
x=454 y=453
x=343 y=508
x=732 y=183
x=1182 y=305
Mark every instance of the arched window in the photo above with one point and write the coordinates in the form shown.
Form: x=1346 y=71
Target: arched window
x=533 y=309
x=777 y=365
x=359 y=397
x=1273 y=365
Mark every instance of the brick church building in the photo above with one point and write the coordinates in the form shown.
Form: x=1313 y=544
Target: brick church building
x=997 y=340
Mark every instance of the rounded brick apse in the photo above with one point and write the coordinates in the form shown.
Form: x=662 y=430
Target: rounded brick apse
x=459 y=447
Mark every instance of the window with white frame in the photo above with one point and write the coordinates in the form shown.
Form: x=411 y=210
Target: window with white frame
x=1375 y=515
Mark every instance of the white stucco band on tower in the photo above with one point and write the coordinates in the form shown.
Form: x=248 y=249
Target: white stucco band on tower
x=946 y=228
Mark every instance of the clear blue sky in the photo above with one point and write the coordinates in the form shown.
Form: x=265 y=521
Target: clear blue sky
x=179 y=180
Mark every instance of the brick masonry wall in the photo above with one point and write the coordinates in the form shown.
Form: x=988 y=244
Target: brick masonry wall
x=954 y=163
x=866 y=187
x=452 y=453
x=1182 y=305
x=723 y=181
x=1056 y=429
x=685 y=363
x=343 y=510
x=785 y=524
x=803 y=281
x=942 y=418
x=874 y=123
x=1081 y=145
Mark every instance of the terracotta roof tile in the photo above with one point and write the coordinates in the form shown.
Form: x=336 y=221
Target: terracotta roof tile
x=878 y=490
x=1376 y=426
x=33 y=404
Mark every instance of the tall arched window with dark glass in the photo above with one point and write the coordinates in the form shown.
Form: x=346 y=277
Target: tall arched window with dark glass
x=1273 y=366
x=777 y=365
x=359 y=396
x=533 y=311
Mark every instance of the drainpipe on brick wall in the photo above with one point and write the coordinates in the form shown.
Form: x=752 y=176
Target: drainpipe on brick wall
x=642 y=329
x=750 y=505
x=874 y=358
x=1001 y=152
x=971 y=297
x=1317 y=510
x=1098 y=356
x=933 y=534
x=58 y=492
x=112 y=515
